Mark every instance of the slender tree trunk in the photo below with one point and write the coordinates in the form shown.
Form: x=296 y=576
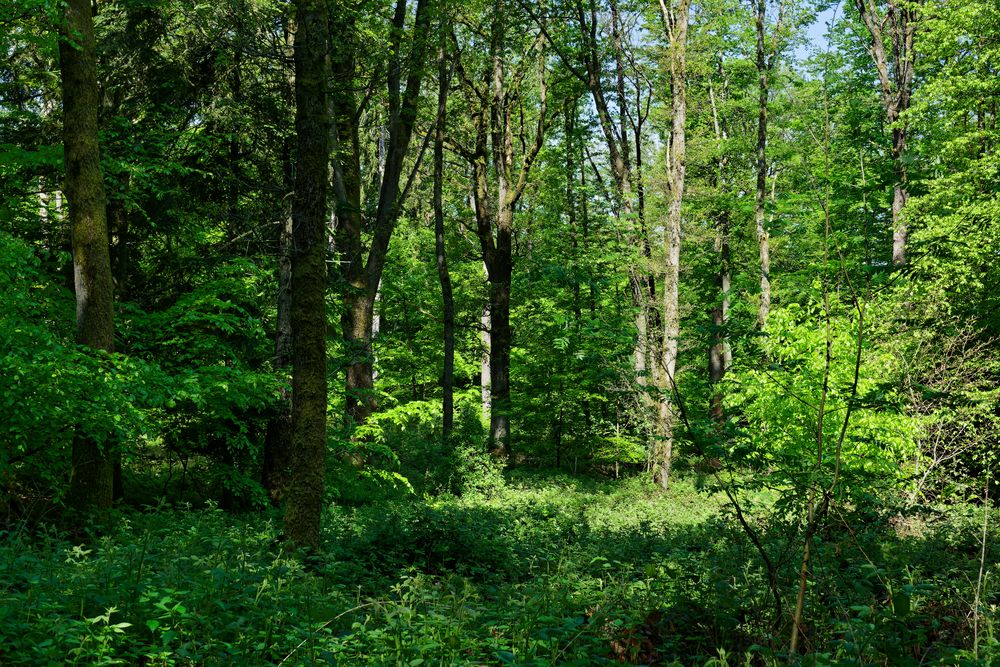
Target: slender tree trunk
x=91 y=483
x=763 y=238
x=277 y=439
x=900 y=196
x=494 y=103
x=361 y=272
x=676 y=22
x=278 y=436
x=448 y=301
x=718 y=362
x=304 y=503
x=484 y=363
x=719 y=355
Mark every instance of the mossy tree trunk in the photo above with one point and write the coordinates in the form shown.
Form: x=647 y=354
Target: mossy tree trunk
x=675 y=21
x=359 y=270
x=91 y=483
x=304 y=501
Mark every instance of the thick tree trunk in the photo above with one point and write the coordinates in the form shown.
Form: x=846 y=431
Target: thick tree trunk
x=304 y=503
x=500 y=341
x=91 y=483
x=676 y=22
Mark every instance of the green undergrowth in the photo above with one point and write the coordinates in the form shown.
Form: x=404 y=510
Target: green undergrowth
x=548 y=569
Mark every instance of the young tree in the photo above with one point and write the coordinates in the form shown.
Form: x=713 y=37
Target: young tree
x=308 y=281
x=447 y=297
x=766 y=53
x=719 y=352
x=91 y=483
x=501 y=159
x=277 y=439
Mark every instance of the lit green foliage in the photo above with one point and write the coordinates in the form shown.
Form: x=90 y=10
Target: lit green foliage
x=783 y=399
x=53 y=388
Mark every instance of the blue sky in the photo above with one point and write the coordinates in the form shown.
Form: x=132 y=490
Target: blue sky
x=816 y=33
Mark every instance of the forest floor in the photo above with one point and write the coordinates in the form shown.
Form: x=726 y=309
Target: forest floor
x=548 y=569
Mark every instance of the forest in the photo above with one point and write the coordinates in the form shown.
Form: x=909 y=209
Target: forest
x=499 y=332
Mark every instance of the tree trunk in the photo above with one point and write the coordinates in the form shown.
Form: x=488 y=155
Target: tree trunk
x=304 y=502
x=895 y=73
x=91 y=482
x=500 y=341
x=763 y=238
x=494 y=103
x=361 y=272
x=718 y=361
x=484 y=363
x=448 y=301
x=899 y=197
x=719 y=354
x=357 y=323
x=676 y=22
x=277 y=439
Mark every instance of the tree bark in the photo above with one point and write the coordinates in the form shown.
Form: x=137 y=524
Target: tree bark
x=763 y=238
x=304 y=502
x=359 y=272
x=447 y=298
x=718 y=362
x=496 y=192
x=91 y=482
x=895 y=73
x=357 y=323
x=500 y=342
x=675 y=19
x=719 y=354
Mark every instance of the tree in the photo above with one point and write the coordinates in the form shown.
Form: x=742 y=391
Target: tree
x=719 y=351
x=892 y=51
x=766 y=54
x=675 y=23
x=277 y=440
x=588 y=64
x=447 y=297
x=308 y=280
x=500 y=128
x=93 y=467
x=359 y=273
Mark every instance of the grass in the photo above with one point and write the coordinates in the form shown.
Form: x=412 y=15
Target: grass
x=548 y=569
